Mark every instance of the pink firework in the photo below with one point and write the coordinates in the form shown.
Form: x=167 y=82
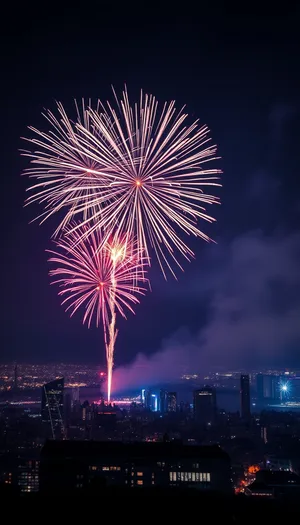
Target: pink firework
x=148 y=175
x=101 y=282
x=64 y=172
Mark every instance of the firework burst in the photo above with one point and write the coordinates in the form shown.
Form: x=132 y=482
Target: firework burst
x=147 y=174
x=101 y=282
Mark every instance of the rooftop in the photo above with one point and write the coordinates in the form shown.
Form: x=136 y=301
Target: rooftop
x=116 y=449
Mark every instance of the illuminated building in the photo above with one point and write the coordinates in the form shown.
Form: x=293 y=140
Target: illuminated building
x=150 y=400
x=267 y=387
x=264 y=434
x=143 y=396
x=154 y=403
x=28 y=475
x=205 y=406
x=172 y=401
x=245 y=397
x=66 y=465
x=53 y=408
x=163 y=401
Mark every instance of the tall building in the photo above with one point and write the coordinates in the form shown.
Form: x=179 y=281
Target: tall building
x=75 y=396
x=267 y=387
x=245 y=397
x=53 y=408
x=163 y=401
x=154 y=403
x=172 y=401
x=205 y=406
x=150 y=400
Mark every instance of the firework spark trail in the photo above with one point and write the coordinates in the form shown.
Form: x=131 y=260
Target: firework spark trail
x=147 y=175
x=116 y=255
x=63 y=171
x=103 y=282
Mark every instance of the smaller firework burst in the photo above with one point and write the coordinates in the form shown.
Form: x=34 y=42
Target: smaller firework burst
x=101 y=282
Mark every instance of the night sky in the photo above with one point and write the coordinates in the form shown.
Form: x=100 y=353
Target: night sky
x=238 y=303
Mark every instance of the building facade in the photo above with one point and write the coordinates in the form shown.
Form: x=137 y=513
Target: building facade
x=69 y=465
x=52 y=408
x=205 y=406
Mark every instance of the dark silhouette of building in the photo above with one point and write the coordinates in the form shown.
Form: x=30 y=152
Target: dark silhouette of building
x=274 y=484
x=163 y=401
x=245 y=397
x=172 y=401
x=67 y=409
x=205 y=406
x=53 y=408
x=67 y=465
x=267 y=387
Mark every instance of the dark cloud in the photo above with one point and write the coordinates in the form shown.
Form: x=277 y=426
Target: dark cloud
x=254 y=310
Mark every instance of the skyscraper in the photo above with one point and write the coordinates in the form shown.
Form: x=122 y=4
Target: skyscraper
x=172 y=401
x=245 y=397
x=53 y=408
x=154 y=403
x=267 y=387
x=163 y=401
x=75 y=396
x=205 y=406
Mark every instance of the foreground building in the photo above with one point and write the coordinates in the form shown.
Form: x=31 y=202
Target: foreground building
x=69 y=465
x=274 y=484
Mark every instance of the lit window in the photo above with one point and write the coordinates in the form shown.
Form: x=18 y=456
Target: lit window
x=208 y=476
x=140 y=482
x=105 y=468
x=173 y=476
x=193 y=476
x=139 y=474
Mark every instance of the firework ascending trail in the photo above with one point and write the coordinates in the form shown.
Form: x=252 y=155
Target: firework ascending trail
x=146 y=169
x=104 y=282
